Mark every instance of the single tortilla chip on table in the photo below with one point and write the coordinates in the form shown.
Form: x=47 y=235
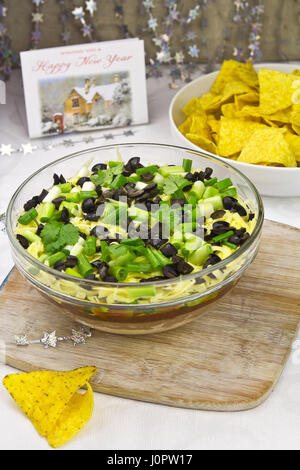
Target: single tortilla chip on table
x=234 y=134
x=268 y=147
x=51 y=401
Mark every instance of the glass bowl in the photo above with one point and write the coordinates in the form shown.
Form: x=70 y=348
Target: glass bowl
x=103 y=306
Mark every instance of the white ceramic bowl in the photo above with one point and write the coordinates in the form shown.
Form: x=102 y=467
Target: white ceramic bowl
x=270 y=181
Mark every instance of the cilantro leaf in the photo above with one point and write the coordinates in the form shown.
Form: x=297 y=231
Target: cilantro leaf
x=174 y=183
x=69 y=234
x=104 y=177
x=117 y=169
x=50 y=232
x=56 y=235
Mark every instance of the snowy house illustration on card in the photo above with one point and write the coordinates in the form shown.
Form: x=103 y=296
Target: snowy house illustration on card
x=85 y=87
x=81 y=101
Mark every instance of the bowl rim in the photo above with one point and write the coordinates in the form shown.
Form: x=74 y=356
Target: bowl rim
x=243 y=164
x=60 y=275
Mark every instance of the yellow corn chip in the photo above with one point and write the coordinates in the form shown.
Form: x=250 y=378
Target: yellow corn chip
x=249 y=111
x=294 y=142
x=276 y=90
x=295 y=115
x=73 y=418
x=234 y=134
x=246 y=99
x=232 y=70
x=193 y=107
x=296 y=129
x=206 y=144
x=210 y=102
x=238 y=106
x=248 y=74
x=199 y=126
x=214 y=124
x=229 y=110
x=185 y=126
x=234 y=88
x=46 y=397
x=268 y=147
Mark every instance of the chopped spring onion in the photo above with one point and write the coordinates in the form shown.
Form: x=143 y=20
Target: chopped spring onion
x=28 y=217
x=187 y=164
x=84 y=266
x=223 y=236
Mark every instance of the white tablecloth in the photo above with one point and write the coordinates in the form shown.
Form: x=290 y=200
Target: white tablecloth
x=126 y=424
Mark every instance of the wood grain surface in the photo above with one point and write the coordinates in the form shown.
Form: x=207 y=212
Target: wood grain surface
x=228 y=359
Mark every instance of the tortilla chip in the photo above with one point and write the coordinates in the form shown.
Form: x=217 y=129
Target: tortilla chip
x=294 y=142
x=295 y=115
x=185 y=126
x=296 y=94
x=211 y=102
x=229 y=110
x=275 y=90
x=232 y=70
x=249 y=111
x=234 y=88
x=268 y=147
x=73 y=418
x=234 y=134
x=204 y=143
x=281 y=116
x=199 y=126
x=251 y=98
x=46 y=397
x=214 y=124
x=193 y=107
x=296 y=129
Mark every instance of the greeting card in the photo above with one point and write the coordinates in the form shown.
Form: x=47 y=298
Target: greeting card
x=85 y=87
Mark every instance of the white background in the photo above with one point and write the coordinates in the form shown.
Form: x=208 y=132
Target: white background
x=126 y=424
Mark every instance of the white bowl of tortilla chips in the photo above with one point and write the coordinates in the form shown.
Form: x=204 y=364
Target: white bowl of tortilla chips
x=251 y=117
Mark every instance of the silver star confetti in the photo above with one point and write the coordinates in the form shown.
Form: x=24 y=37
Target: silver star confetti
x=88 y=139
x=27 y=148
x=37 y=17
x=79 y=336
x=22 y=340
x=91 y=6
x=50 y=340
x=6 y=149
x=128 y=133
x=68 y=143
x=78 y=13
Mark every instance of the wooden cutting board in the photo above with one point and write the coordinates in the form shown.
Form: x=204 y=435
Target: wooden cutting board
x=228 y=359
